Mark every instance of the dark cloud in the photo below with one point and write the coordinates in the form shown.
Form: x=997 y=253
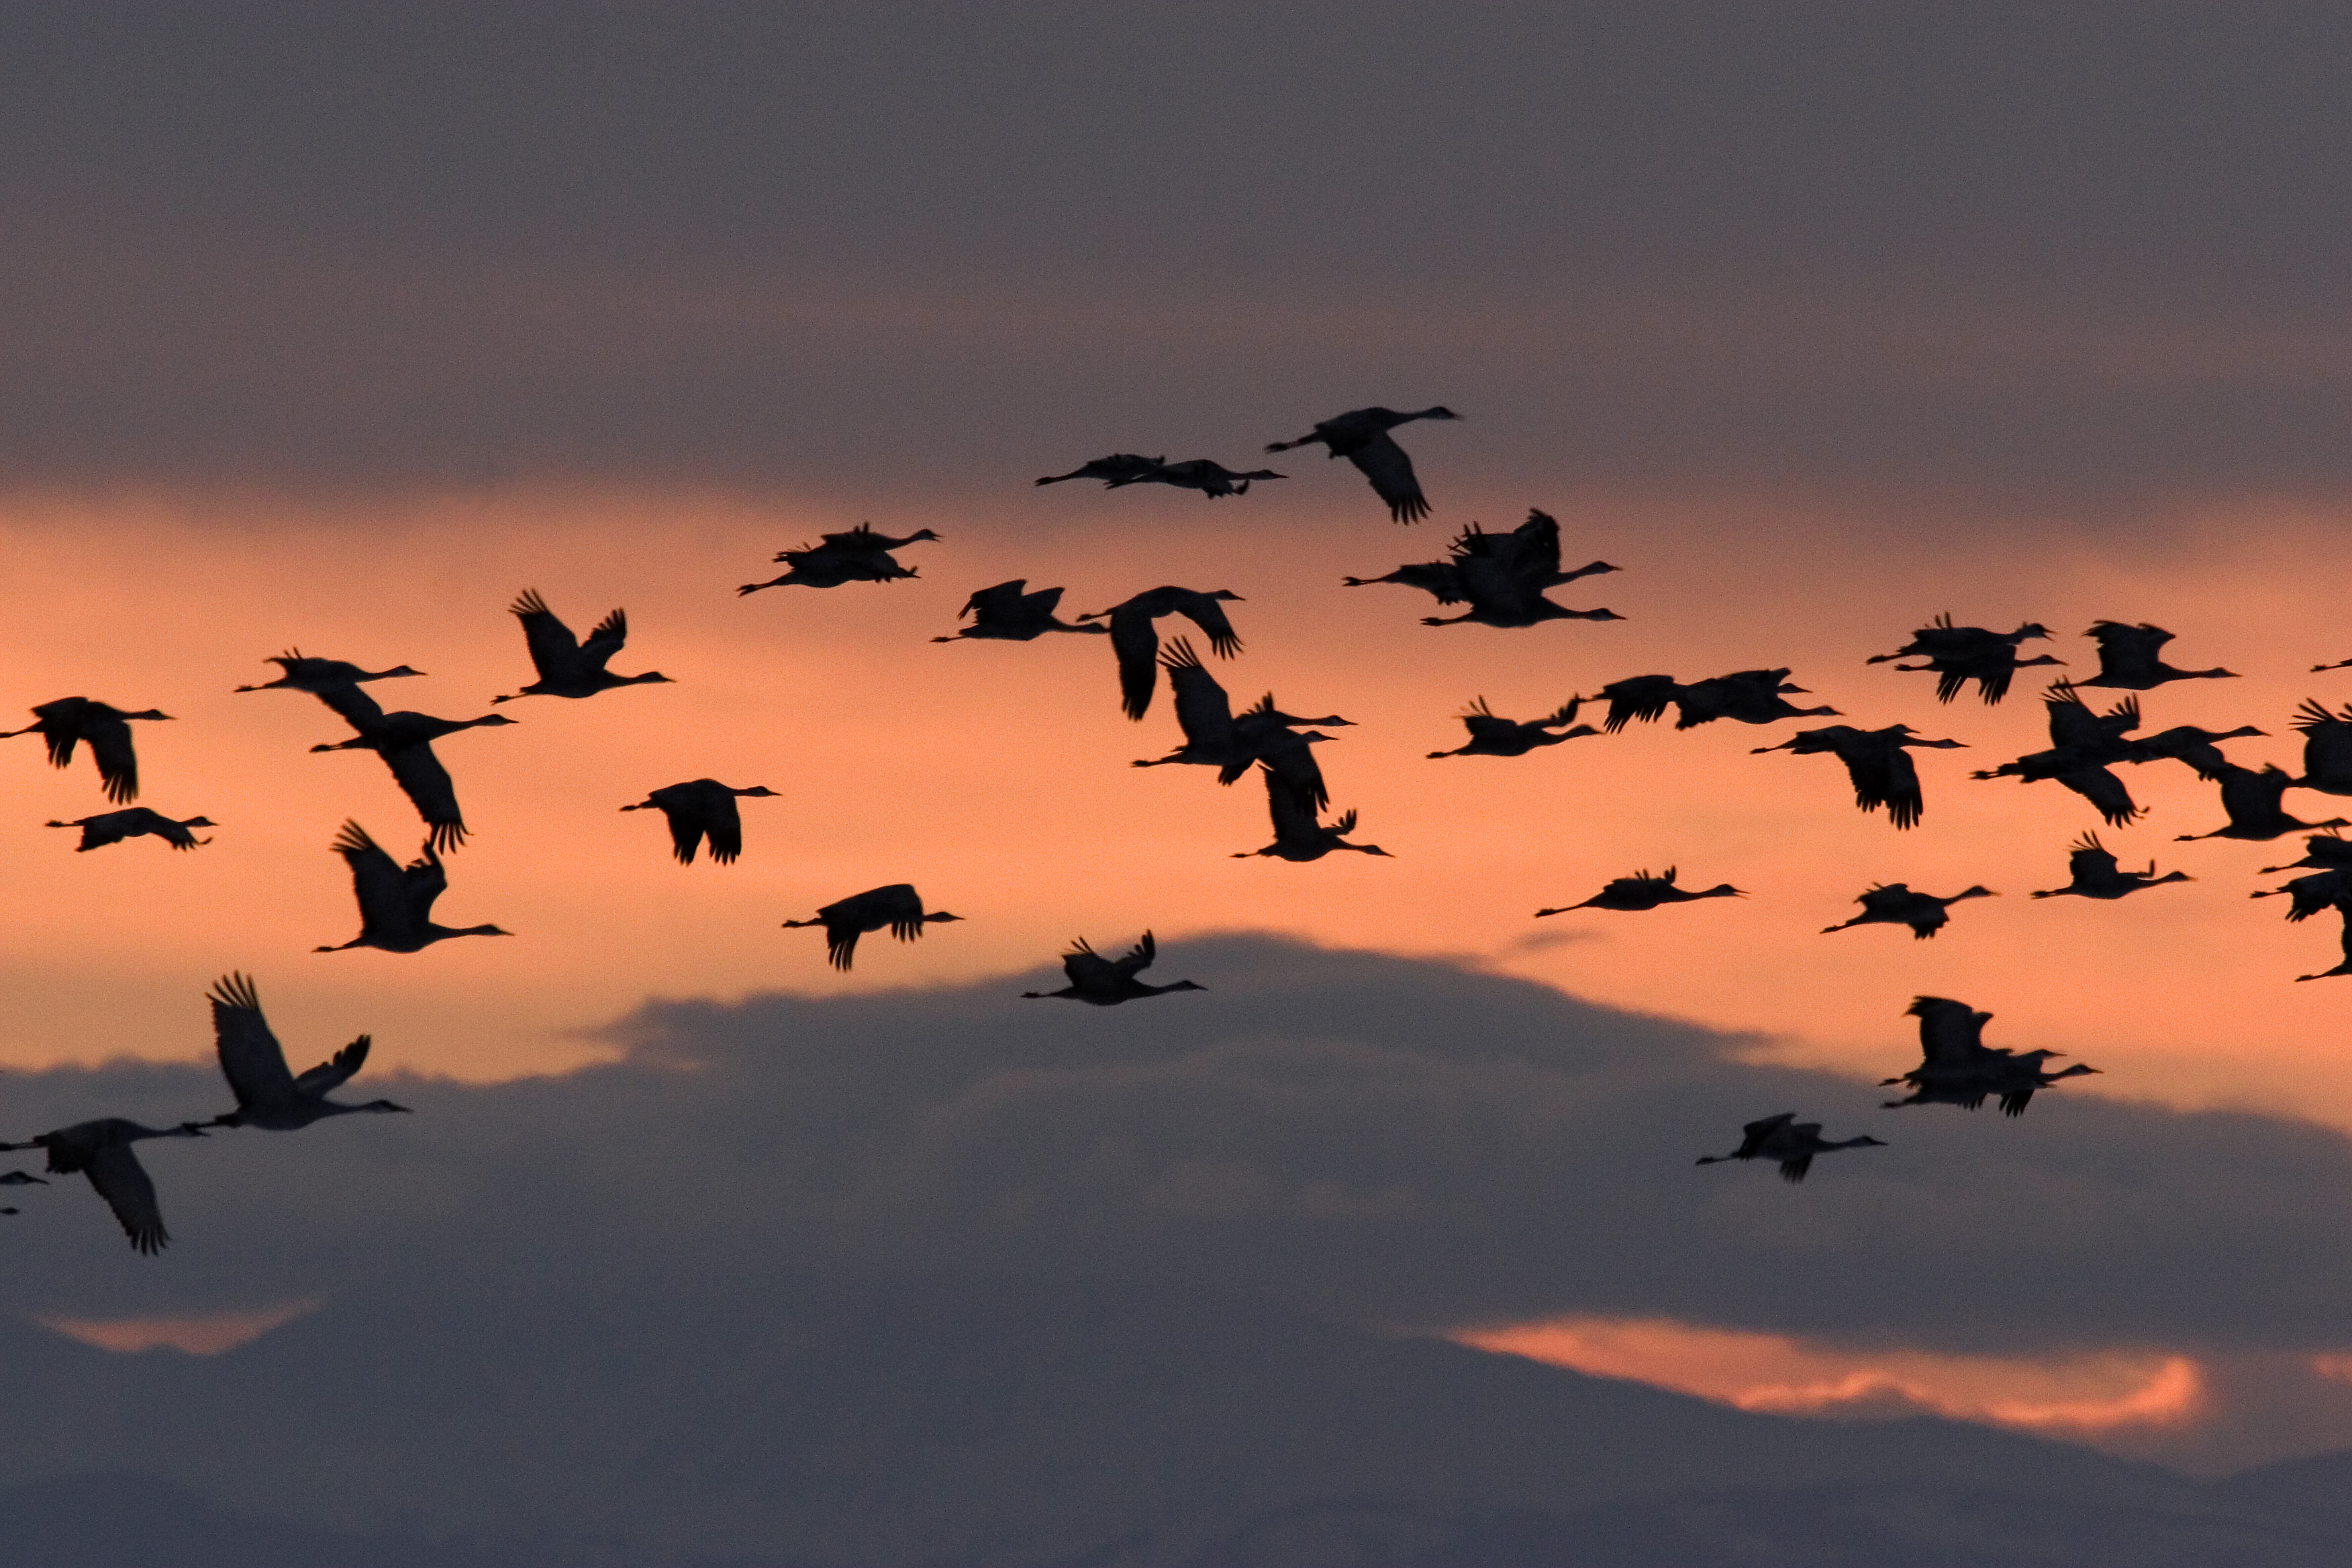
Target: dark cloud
x=862 y=248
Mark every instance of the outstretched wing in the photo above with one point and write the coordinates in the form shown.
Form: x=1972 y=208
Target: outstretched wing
x=115 y=1171
x=1384 y=463
x=553 y=649
x=1135 y=642
x=251 y=1056
x=427 y=784
x=1209 y=614
x=118 y=763
x=1138 y=958
x=376 y=880
x=606 y=639
x=335 y=1071
x=1202 y=710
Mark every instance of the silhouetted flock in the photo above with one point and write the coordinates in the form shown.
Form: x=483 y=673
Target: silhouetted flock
x=1502 y=578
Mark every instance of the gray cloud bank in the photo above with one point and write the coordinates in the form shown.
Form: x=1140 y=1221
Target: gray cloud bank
x=834 y=248
x=950 y=1278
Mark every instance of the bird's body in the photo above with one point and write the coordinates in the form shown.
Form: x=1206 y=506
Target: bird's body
x=896 y=908
x=699 y=809
x=2128 y=658
x=1119 y=468
x=2084 y=746
x=1135 y=636
x=396 y=902
x=106 y=730
x=1499 y=565
x=566 y=666
x=854 y=556
x=2252 y=800
x=2344 y=966
x=114 y=827
x=1957 y=1067
x=2200 y=749
x=1007 y=614
x=1877 y=762
x=102 y=1150
x=2326 y=749
x=1361 y=436
x=1787 y=1143
x=1494 y=736
x=1105 y=982
x=1297 y=836
x=1211 y=480
x=1894 y=903
x=333 y=682
x=404 y=742
x=267 y=1095
x=1643 y=891
x=1958 y=654
x=1214 y=738
x=2094 y=874
x=1750 y=696
x=2311 y=895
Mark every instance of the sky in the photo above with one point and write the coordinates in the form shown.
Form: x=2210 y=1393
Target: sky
x=337 y=328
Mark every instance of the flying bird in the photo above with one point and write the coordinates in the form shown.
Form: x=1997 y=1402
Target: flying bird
x=2327 y=747
x=102 y=1150
x=1494 y=736
x=2344 y=966
x=1006 y=613
x=1119 y=468
x=1211 y=480
x=1297 y=836
x=107 y=729
x=568 y=667
x=897 y=907
x=1959 y=654
x=1788 y=1142
x=1103 y=983
x=396 y=902
x=1528 y=556
x=114 y=827
x=1643 y=891
x=267 y=1095
x=333 y=682
x=2128 y=661
x=2083 y=747
x=404 y=742
x=2311 y=895
x=701 y=808
x=2251 y=801
x=1750 y=696
x=1135 y=636
x=2199 y=748
x=1957 y=1067
x=1894 y=903
x=1875 y=762
x=2095 y=875
x=1214 y=738
x=855 y=555
x=1361 y=436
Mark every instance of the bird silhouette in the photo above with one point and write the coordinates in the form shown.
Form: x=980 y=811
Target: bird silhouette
x=1529 y=555
x=2251 y=801
x=855 y=555
x=2311 y=895
x=1750 y=696
x=1135 y=636
x=1643 y=891
x=1957 y=1067
x=1211 y=480
x=1104 y=983
x=1119 y=468
x=404 y=742
x=2327 y=851
x=114 y=827
x=2095 y=875
x=2326 y=749
x=1214 y=738
x=1492 y=736
x=331 y=681
x=2082 y=745
x=267 y=1095
x=396 y=903
x=1894 y=903
x=2199 y=748
x=2128 y=661
x=1875 y=762
x=1788 y=1142
x=1006 y=613
x=1361 y=436
x=568 y=667
x=1297 y=836
x=700 y=808
x=897 y=907
x=2344 y=966
x=107 y=729
x=102 y=1150
x=1958 y=654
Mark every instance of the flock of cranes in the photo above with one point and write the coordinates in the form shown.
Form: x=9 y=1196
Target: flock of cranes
x=1503 y=578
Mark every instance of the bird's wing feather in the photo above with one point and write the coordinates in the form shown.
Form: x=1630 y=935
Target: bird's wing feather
x=1384 y=463
x=251 y=1056
x=115 y=1171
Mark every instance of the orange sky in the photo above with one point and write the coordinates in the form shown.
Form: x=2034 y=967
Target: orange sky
x=994 y=776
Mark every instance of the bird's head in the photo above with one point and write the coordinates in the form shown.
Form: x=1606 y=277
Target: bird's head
x=382 y=1105
x=757 y=789
x=651 y=678
x=199 y=822
x=1223 y=594
x=487 y=720
x=922 y=534
x=938 y=915
x=398 y=670
x=149 y=713
x=2036 y=629
x=1439 y=411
